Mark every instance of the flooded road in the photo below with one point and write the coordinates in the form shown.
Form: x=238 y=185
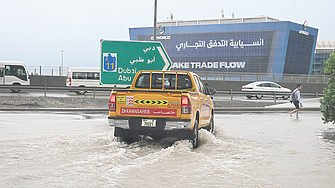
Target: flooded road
x=248 y=150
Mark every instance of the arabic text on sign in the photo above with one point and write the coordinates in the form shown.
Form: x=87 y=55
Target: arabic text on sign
x=221 y=43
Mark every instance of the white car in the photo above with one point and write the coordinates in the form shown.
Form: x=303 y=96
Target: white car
x=268 y=88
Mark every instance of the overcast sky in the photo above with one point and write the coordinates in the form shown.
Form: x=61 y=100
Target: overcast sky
x=35 y=31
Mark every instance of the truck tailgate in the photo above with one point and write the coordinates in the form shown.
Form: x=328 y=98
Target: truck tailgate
x=146 y=104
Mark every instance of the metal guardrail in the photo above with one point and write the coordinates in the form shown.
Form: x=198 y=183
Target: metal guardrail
x=274 y=77
x=230 y=93
x=45 y=88
x=268 y=93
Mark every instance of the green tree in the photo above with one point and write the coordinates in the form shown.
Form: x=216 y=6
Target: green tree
x=327 y=106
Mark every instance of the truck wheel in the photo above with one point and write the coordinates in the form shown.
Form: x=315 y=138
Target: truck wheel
x=211 y=128
x=128 y=139
x=195 y=141
x=123 y=136
x=157 y=136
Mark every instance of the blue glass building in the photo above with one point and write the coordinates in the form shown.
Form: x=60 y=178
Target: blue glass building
x=251 y=45
x=322 y=54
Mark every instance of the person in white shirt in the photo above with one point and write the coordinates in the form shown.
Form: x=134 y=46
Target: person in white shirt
x=296 y=100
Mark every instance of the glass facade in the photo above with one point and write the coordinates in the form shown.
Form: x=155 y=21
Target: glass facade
x=320 y=57
x=299 y=53
x=279 y=47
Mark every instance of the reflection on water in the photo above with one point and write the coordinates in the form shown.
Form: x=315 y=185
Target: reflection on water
x=259 y=150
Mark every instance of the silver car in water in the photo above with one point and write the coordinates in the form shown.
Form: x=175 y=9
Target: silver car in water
x=261 y=88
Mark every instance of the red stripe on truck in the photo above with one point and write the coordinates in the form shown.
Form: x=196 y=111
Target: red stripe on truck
x=148 y=111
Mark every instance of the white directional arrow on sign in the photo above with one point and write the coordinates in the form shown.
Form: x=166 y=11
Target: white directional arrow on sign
x=166 y=61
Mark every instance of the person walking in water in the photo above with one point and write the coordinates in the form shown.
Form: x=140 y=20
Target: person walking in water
x=295 y=98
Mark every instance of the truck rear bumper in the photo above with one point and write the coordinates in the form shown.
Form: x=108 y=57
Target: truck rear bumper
x=178 y=124
x=122 y=123
x=162 y=124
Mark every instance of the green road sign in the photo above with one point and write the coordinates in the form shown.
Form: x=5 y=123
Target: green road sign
x=120 y=60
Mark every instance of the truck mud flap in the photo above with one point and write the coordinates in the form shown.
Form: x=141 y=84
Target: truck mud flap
x=156 y=134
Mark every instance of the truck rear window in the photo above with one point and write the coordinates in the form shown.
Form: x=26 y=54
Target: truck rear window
x=184 y=81
x=143 y=81
x=169 y=81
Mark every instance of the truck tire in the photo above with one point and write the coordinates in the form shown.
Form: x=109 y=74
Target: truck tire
x=157 y=136
x=195 y=140
x=125 y=136
x=211 y=128
x=128 y=139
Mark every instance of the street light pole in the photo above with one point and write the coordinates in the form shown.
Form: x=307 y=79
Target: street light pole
x=62 y=50
x=155 y=19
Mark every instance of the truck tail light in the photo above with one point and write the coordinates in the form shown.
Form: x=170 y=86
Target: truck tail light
x=112 y=103
x=70 y=81
x=185 y=105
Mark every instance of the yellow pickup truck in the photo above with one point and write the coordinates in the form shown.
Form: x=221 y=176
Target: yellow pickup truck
x=162 y=104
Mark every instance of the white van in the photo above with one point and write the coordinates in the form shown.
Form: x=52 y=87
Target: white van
x=83 y=77
x=13 y=73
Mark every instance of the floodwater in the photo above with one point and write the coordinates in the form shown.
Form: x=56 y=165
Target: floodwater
x=248 y=150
